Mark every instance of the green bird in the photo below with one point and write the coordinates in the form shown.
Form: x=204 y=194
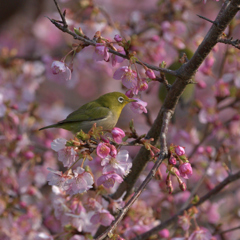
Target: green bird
x=103 y=111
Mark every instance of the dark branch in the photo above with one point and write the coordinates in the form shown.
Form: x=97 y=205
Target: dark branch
x=213 y=22
x=234 y=43
x=207 y=196
x=64 y=22
x=64 y=28
x=163 y=154
x=186 y=72
x=229 y=230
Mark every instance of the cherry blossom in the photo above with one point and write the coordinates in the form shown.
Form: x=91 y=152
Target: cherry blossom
x=101 y=52
x=139 y=106
x=127 y=76
x=61 y=69
x=119 y=165
x=179 y=150
x=79 y=183
x=108 y=179
x=185 y=170
x=117 y=134
x=102 y=217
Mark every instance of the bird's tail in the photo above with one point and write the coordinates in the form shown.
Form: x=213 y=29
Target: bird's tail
x=50 y=126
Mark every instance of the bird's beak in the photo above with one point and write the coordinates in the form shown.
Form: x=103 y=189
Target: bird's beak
x=131 y=100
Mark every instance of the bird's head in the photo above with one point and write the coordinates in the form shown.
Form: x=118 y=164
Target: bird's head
x=115 y=101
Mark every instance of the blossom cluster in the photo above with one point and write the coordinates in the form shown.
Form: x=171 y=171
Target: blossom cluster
x=67 y=192
x=177 y=153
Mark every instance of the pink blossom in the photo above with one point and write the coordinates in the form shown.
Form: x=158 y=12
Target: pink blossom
x=206 y=67
x=221 y=89
x=127 y=75
x=139 y=106
x=201 y=84
x=119 y=165
x=77 y=237
x=185 y=170
x=143 y=86
x=102 y=217
x=175 y=171
x=117 y=38
x=60 y=68
x=56 y=178
x=113 y=150
x=58 y=144
x=67 y=156
x=79 y=183
x=108 y=180
x=202 y=234
x=118 y=134
x=164 y=233
x=101 y=52
x=117 y=59
x=150 y=73
x=103 y=150
x=172 y=160
x=179 y=150
x=208 y=115
x=29 y=154
x=184 y=222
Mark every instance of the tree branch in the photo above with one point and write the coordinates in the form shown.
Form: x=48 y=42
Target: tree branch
x=207 y=196
x=186 y=72
x=163 y=154
x=234 y=43
x=62 y=25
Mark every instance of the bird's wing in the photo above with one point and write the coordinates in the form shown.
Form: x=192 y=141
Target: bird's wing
x=88 y=112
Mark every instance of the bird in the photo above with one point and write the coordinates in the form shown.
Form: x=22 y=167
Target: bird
x=103 y=111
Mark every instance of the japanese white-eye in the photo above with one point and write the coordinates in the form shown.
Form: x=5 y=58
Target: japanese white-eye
x=103 y=111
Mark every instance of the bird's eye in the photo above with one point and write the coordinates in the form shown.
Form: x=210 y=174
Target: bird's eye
x=121 y=99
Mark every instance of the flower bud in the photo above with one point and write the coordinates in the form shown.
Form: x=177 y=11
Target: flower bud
x=185 y=170
x=172 y=160
x=150 y=73
x=179 y=150
x=118 y=134
x=117 y=38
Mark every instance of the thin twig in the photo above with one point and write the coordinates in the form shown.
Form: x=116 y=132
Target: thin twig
x=218 y=188
x=234 y=43
x=163 y=154
x=213 y=22
x=88 y=41
x=64 y=22
x=229 y=230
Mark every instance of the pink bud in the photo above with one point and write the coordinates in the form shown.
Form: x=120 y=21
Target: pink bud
x=183 y=186
x=164 y=233
x=179 y=150
x=185 y=170
x=172 y=160
x=29 y=154
x=143 y=86
x=209 y=149
x=118 y=134
x=129 y=93
x=150 y=73
x=113 y=151
x=58 y=67
x=236 y=117
x=201 y=84
x=102 y=150
x=117 y=38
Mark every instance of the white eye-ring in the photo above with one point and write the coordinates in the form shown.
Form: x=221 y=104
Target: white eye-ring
x=121 y=99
